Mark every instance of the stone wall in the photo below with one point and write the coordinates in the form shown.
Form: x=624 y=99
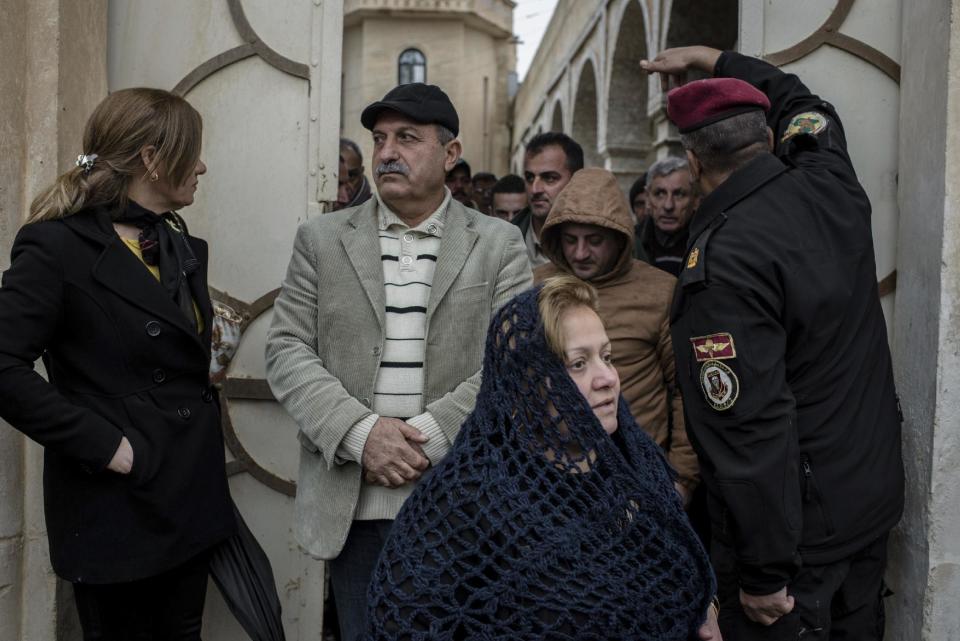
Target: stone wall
x=546 y=83
x=498 y=13
x=53 y=74
x=468 y=54
x=587 y=69
x=925 y=552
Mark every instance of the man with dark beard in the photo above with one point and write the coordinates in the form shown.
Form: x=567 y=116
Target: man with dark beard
x=549 y=162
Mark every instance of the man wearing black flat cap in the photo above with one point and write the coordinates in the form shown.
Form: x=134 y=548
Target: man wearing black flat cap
x=378 y=334
x=782 y=355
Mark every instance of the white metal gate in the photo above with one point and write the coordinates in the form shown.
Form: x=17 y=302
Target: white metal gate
x=265 y=75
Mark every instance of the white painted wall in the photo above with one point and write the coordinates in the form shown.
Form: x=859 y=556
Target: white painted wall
x=867 y=100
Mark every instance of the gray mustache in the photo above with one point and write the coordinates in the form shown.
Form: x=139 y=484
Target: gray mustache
x=393 y=167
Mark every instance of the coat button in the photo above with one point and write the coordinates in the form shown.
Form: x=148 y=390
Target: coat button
x=206 y=395
x=376 y=351
x=153 y=328
x=365 y=401
x=159 y=376
x=184 y=413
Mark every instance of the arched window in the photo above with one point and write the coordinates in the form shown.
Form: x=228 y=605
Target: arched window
x=412 y=67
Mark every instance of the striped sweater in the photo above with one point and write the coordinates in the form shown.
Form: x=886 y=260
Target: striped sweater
x=409 y=258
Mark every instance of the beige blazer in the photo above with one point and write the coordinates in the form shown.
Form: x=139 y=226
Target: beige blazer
x=323 y=348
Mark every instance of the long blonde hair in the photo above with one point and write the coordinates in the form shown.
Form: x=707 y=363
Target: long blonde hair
x=123 y=124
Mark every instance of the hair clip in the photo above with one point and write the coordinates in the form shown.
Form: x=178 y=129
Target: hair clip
x=85 y=162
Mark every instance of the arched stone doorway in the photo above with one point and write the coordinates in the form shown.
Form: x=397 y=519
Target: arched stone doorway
x=628 y=131
x=585 y=115
x=694 y=22
x=556 y=121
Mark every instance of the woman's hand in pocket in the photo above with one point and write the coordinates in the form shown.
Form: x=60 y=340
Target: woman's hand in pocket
x=122 y=461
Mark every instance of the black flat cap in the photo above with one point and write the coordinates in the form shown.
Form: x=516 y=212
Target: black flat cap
x=426 y=104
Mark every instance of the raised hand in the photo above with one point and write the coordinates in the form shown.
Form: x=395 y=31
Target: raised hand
x=673 y=64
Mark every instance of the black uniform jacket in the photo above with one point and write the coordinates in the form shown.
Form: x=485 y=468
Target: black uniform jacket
x=782 y=352
x=122 y=360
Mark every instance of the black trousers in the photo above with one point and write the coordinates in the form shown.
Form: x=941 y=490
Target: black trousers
x=167 y=607
x=834 y=602
x=351 y=571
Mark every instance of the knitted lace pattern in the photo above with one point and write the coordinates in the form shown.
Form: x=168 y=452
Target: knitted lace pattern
x=537 y=525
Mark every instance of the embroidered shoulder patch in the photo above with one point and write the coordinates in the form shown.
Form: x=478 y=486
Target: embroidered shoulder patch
x=714 y=347
x=693 y=258
x=809 y=122
x=719 y=384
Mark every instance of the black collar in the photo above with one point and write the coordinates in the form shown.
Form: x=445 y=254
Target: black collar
x=95 y=224
x=738 y=186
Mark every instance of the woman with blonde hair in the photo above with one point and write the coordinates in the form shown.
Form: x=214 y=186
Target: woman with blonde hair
x=554 y=515
x=107 y=286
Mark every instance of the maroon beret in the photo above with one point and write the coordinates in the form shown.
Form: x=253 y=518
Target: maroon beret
x=704 y=102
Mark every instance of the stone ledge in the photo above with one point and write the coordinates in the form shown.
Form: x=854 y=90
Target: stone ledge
x=490 y=15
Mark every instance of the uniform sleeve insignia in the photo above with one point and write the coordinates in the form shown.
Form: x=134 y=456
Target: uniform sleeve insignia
x=693 y=258
x=714 y=347
x=809 y=122
x=720 y=385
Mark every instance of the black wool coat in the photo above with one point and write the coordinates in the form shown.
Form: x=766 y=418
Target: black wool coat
x=122 y=360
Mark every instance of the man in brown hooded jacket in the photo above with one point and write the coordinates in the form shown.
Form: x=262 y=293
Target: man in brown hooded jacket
x=589 y=233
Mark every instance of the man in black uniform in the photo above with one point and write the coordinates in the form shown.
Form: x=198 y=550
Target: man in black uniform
x=782 y=355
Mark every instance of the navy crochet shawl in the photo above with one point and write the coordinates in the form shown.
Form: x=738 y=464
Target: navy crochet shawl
x=537 y=524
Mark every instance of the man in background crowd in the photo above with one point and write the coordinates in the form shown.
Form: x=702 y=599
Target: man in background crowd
x=352 y=186
x=638 y=205
x=671 y=201
x=549 y=162
x=638 y=199
x=483 y=182
x=460 y=184
x=509 y=197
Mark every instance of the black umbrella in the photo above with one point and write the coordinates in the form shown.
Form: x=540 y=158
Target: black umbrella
x=242 y=572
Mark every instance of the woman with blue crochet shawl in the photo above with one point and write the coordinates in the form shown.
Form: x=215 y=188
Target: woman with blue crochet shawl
x=554 y=515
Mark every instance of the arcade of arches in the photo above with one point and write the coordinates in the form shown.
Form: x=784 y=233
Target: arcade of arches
x=585 y=79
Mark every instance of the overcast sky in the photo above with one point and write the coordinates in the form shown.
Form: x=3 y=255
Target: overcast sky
x=530 y=19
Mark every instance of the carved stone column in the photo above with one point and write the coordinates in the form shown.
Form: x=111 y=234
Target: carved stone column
x=925 y=551
x=53 y=73
x=626 y=163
